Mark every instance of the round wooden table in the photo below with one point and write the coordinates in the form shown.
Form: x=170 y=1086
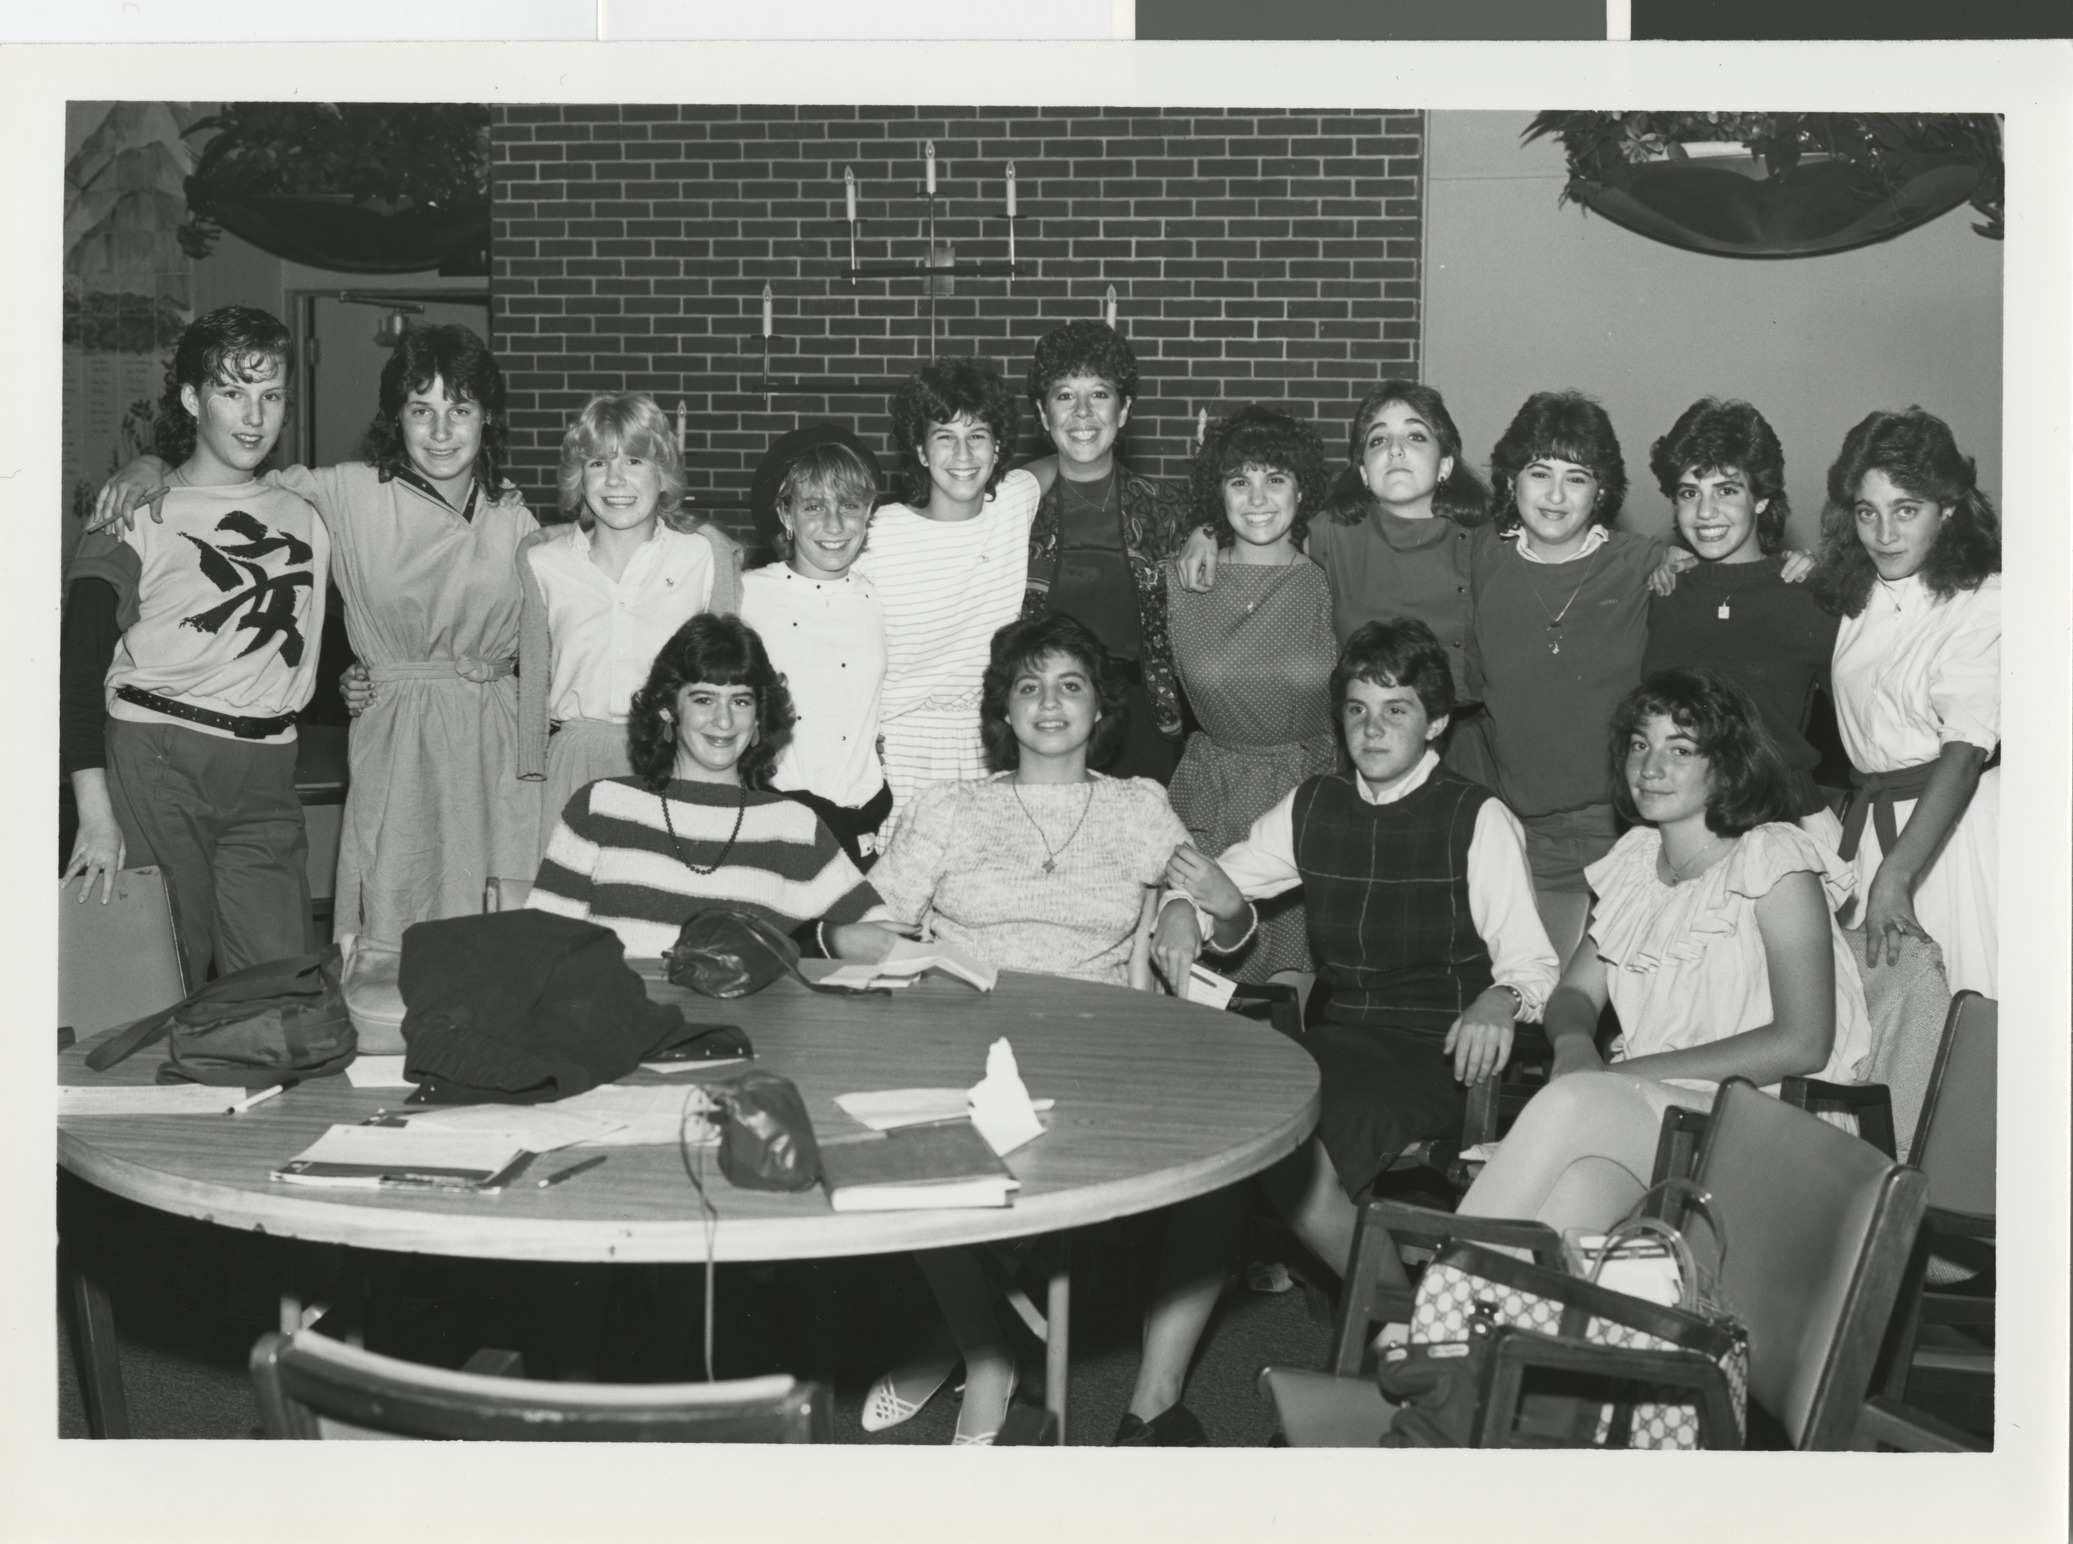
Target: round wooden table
x=1158 y=1100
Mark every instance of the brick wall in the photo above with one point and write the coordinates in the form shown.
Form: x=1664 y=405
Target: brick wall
x=1256 y=255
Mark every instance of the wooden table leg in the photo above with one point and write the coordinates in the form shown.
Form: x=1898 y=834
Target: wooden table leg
x=100 y=1358
x=1058 y=1330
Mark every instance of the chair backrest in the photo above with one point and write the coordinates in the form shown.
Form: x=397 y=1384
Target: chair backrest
x=1954 y=1143
x=118 y=961
x=311 y=1386
x=1907 y=1003
x=1818 y=1228
x=505 y=894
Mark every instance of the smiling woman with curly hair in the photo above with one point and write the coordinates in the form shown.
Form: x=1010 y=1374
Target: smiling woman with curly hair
x=696 y=826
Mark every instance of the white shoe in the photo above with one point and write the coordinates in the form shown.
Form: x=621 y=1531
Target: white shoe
x=985 y=1438
x=885 y=1406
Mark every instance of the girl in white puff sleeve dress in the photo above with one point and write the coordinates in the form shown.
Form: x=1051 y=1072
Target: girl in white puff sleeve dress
x=1712 y=934
x=1911 y=557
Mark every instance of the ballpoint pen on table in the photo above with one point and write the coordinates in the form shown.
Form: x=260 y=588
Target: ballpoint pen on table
x=572 y=1171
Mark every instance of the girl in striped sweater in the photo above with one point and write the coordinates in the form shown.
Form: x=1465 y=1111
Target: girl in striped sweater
x=696 y=826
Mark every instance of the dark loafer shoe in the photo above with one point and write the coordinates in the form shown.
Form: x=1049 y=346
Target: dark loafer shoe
x=1176 y=1427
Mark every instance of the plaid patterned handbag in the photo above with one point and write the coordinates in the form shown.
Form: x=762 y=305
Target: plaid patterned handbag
x=1467 y=1287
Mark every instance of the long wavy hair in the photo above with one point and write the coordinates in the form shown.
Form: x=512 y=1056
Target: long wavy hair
x=615 y=423
x=1917 y=451
x=942 y=392
x=230 y=343
x=1020 y=647
x=1712 y=436
x=720 y=651
x=1263 y=437
x=1750 y=785
x=1558 y=426
x=451 y=353
x=1460 y=496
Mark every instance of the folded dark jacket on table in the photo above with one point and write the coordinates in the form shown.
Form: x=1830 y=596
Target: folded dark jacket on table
x=519 y=1007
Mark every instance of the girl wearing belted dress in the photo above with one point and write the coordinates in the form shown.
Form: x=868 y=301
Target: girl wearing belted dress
x=424 y=543
x=1911 y=557
x=605 y=592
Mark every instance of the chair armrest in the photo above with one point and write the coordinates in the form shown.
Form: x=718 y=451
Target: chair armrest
x=1513 y=1351
x=1888 y=1423
x=1871 y=1102
x=1422 y=1225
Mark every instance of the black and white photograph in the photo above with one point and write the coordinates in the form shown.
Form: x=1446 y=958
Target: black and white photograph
x=740 y=765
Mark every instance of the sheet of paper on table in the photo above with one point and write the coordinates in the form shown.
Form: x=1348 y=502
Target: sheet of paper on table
x=1207 y=987
x=159 y=1099
x=890 y=1108
x=374 y=1157
x=377 y=1072
x=908 y=960
x=537 y=1128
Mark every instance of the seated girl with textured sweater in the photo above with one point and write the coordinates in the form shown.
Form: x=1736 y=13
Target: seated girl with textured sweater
x=696 y=826
x=1428 y=950
x=1712 y=934
x=1046 y=866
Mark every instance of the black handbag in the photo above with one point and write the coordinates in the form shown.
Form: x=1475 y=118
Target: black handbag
x=723 y=953
x=766 y=1136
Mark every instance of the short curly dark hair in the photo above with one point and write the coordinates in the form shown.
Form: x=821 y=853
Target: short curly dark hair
x=1460 y=497
x=722 y=651
x=1019 y=648
x=1751 y=786
x=229 y=343
x=943 y=392
x=1558 y=426
x=1263 y=437
x=1081 y=348
x=1712 y=436
x=451 y=353
x=1401 y=651
x=1918 y=452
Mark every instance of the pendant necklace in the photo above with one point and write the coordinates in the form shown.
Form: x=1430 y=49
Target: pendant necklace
x=1555 y=617
x=1052 y=854
x=1722 y=613
x=1681 y=871
x=676 y=847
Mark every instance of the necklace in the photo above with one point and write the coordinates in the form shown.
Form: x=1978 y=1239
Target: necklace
x=1555 y=617
x=1684 y=870
x=670 y=826
x=1051 y=854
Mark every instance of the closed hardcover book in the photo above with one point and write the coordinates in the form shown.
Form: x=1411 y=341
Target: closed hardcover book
x=916 y=1168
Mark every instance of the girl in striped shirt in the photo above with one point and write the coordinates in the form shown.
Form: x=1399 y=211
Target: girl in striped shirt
x=697 y=827
x=949 y=567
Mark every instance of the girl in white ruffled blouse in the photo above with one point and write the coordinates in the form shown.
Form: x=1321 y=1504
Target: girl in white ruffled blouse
x=1712 y=934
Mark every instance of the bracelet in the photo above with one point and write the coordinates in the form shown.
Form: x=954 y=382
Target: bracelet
x=1518 y=997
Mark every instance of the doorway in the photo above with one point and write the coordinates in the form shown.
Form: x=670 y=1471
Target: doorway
x=342 y=357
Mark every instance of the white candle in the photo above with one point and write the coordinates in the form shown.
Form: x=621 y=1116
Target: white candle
x=1011 y=190
x=1112 y=305
x=849 y=178
x=1202 y=428
x=929 y=151
x=769 y=331
x=683 y=439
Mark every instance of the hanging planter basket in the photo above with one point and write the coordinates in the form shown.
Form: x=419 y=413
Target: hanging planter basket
x=1707 y=206
x=363 y=187
x=332 y=231
x=1786 y=185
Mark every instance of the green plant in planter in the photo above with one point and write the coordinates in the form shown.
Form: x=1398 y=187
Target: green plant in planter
x=388 y=158
x=1880 y=151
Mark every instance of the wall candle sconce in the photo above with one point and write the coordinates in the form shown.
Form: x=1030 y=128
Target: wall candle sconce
x=929 y=263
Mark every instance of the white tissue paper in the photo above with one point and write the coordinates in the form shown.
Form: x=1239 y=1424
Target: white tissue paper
x=1000 y=1104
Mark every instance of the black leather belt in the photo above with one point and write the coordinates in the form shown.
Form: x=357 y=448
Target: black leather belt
x=243 y=728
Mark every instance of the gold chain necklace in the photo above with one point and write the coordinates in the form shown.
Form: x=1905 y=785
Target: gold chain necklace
x=1051 y=854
